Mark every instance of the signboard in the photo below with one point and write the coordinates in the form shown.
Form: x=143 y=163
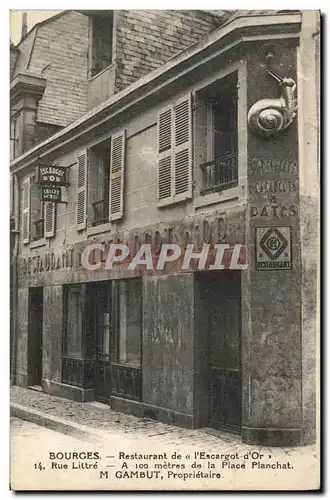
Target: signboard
x=273 y=248
x=52 y=174
x=51 y=193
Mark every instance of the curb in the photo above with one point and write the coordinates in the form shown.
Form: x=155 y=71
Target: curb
x=54 y=423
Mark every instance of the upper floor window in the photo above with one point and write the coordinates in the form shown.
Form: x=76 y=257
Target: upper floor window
x=218 y=132
x=36 y=211
x=175 y=152
x=13 y=138
x=101 y=44
x=37 y=217
x=100 y=182
x=99 y=177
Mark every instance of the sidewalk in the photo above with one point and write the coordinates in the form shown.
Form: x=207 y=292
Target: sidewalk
x=94 y=419
x=116 y=434
x=98 y=418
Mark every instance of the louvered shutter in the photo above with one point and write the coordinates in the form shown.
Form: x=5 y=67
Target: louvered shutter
x=49 y=218
x=165 y=155
x=26 y=211
x=117 y=172
x=182 y=148
x=82 y=162
x=35 y=207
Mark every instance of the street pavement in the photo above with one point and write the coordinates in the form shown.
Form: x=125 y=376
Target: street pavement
x=118 y=436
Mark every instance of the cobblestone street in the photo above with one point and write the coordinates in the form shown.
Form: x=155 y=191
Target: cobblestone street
x=127 y=434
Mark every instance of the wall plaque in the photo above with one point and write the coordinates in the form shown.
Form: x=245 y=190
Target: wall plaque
x=273 y=248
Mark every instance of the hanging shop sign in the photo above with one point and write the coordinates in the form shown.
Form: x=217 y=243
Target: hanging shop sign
x=51 y=193
x=54 y=175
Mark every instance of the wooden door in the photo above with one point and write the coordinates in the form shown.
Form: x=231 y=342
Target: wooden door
x=35 y=336
x=220 y=294
x=225 y=352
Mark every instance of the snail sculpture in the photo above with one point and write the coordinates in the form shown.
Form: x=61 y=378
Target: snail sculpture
x=267 y=117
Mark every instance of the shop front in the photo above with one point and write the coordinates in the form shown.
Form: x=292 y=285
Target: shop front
x=160 y=344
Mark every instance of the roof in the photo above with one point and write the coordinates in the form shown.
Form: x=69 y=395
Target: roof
x=41 y=23
x=235 y=29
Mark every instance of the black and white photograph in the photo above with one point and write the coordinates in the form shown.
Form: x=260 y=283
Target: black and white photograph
x=164 y=250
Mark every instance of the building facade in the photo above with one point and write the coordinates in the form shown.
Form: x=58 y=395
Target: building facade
x=199 y=139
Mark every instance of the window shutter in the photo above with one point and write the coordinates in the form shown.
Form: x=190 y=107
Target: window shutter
x=82 y=162
x=182 y=148
x=35 y=206
x=165 y=154
x=117 y=172
x=26 y=211
x=50 y=217
x=175 y=152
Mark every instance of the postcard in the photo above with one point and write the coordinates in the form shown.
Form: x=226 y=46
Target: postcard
x=165 y=250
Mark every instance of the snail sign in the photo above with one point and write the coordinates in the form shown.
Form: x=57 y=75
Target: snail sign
x=267 y=117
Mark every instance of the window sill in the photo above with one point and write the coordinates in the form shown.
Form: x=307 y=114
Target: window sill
x=102 y=228
x=218 y=197
x=38 y=243
x=173 y=200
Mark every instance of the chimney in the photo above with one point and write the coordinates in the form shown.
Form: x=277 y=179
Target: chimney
x=24 y=25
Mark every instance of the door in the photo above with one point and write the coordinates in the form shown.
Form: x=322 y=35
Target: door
x=35 y=336
x=100 y=297
x=222 y=301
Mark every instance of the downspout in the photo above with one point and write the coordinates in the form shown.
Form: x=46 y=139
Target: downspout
x=14 y=255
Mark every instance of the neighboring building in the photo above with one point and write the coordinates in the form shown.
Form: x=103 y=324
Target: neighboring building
x=172 y=149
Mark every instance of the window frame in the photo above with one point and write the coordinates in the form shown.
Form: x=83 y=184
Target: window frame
x=117 y=321
x=66 y=291
x=92 y=72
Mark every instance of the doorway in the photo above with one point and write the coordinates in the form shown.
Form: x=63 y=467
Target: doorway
x=220 y=294
x=35 y=319
x=99 y=313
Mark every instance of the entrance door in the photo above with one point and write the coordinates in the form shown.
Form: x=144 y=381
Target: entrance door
x=222 y=301
x=35 y=336
x=100 y=300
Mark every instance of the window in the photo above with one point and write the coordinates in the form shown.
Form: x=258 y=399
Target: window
x=101 y=30
x=36 y=211
x=219 y=134
x=102 y=319
x=13 y=138
x=130 y=318
x=100 y=182
x=38 y=218
x=73 y=297
x=99 y=186
x=174 y=152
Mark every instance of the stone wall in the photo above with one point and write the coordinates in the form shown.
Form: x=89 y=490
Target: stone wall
x=271 y=349
x=168 y=343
